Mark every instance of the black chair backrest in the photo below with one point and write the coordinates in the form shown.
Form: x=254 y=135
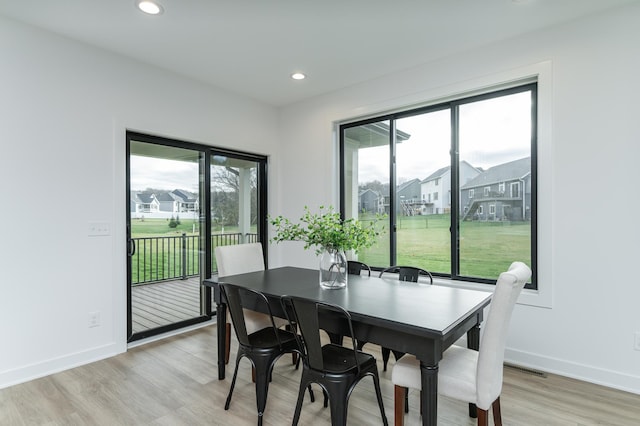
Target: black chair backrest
x=408 y=273
x=240 y=297
x=355 y=268
x=307 y=315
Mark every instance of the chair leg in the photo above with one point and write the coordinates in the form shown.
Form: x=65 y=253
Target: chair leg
x=406 y=400
x=296 y=415
x=483 y=417
x=311 y=395
x=398 y=397
x=376 y=384
x=497 y=413
x=233 y=384
x=385 y=357
x=338 y=409
x=227 y=343
x=473 y=411
x=262 y=388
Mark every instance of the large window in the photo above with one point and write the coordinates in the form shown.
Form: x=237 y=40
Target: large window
x=400 y=164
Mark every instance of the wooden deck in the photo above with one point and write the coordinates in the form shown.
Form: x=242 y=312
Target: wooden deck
x=157 y=304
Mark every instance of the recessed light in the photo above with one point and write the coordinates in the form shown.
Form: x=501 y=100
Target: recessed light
x=150 y=7
x=298 y=76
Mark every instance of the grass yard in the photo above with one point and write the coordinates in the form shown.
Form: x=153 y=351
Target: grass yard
x=486 y=248
x=160 y=228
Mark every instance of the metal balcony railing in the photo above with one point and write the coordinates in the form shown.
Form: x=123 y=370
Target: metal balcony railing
x=169 y=258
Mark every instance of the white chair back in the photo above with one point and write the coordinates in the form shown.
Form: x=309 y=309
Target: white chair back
x=492 y=345
x=239 y=259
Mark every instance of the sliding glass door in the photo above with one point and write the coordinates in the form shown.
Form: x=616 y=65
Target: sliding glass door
x=235 y=202
x=165 y=237
x=184 y=199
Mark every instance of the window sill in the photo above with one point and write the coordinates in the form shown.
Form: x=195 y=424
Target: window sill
x=536 y=298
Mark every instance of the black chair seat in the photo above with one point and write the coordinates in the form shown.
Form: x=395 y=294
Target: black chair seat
x=340 y=360
x=266 y=338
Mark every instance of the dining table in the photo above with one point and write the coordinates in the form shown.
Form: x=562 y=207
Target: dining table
x=412 y=318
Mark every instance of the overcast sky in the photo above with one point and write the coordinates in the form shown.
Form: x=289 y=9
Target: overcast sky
x=157 y=173
x=493 y=132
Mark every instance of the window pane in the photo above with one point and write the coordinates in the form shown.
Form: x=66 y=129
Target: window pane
x=234 y=201
x=366 y=184
x=423 y=203
x=495 y=184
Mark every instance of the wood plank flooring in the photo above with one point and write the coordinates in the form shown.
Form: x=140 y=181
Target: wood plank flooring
x=174 y=382
x=157 y=304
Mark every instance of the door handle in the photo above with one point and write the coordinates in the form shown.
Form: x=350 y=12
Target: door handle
x=132 y=247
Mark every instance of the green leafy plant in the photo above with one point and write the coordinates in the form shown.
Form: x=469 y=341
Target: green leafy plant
x=327 y=231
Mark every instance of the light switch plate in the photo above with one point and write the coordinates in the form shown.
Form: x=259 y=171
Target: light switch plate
x=99 y=229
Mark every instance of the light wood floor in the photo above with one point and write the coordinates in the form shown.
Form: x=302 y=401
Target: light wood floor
x=174 y=382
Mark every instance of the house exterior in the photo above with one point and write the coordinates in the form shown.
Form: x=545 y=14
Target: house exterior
x=502 y=192
x=408 y=198
x=144 y=203
x=368 y=201
x=435 y=189
x=186 y=201
x=162 y=204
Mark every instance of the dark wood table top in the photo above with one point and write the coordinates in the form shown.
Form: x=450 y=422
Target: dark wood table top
x=423 y=309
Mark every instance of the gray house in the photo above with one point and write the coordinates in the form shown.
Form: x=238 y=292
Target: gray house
x=502 y=192
x=368 y=201
x=408 y=198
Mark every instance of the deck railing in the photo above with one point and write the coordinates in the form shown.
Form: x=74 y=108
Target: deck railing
x=170 y=258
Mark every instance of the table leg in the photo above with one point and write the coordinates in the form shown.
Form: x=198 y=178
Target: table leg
x=429 y=402
x=221 y=316
x=473 y=342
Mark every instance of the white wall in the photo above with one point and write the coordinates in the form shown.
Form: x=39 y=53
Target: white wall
x=64 y=108
x=588 y=157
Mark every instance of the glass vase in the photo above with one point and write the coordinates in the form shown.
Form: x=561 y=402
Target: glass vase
x=333 y=269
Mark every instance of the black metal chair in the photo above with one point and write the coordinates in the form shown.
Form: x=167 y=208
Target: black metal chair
x=337 y=369
x=409 y=274
x=262 y=347
x=355 y=268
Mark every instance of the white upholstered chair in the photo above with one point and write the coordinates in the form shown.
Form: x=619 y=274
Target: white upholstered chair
x=242 y=259
x=465 y=374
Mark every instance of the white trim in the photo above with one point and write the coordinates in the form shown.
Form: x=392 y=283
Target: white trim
x=171 y=333
x=55 y=365
x=542 y=72
x=574 y=370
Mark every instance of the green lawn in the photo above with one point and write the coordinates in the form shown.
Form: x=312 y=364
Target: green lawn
x=159 y=249
x=486 y=248
x=160 y=228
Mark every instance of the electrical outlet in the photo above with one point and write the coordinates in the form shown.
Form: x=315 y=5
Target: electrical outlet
x=94 y=319
x=636 y=346
x=99 y=229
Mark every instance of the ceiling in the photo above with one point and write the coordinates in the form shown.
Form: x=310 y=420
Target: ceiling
x=251 y=47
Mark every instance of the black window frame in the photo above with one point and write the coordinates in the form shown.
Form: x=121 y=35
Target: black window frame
x=452 y=105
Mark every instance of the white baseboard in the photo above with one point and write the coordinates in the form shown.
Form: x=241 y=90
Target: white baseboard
x=55 y=365
x=35 y=371
x=587 y=373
